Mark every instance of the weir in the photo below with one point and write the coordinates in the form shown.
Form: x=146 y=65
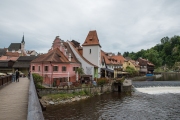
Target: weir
x=157 y=87
x=142 y=84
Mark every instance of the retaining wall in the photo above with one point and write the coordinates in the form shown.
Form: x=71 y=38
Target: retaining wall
x=92 y=90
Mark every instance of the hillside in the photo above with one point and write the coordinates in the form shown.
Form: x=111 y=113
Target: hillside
x=166 y=53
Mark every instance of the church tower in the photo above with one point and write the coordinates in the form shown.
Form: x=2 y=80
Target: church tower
x=92 y=49
x=22 y=43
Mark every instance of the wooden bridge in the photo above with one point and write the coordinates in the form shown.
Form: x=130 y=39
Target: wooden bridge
x=18 y=100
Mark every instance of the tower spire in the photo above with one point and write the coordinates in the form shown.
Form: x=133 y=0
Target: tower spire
x=23 y=39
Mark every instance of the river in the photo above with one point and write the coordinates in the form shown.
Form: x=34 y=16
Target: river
x=148 y=103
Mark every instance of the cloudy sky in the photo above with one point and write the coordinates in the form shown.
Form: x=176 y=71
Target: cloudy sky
x=121 y=25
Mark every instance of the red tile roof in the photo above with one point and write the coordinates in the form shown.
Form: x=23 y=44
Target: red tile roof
x=8 y=58
x=53 y=56
x=12 y=54
x=144 y=62
x=91 y=39
x=109 y=59
x=119 y=58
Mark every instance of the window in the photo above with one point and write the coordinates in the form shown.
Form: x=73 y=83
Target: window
x=33 y=67
x=55 y=68
x=39 y=68
x=45 y=68
x=75 y=68
x=89 y=51
x=63 y=68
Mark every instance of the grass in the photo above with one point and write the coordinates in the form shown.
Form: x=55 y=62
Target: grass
x=64 y=96
x=39 y=86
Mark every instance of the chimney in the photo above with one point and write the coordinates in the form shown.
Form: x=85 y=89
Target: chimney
x=61 y=46
x=69 y=57
x=65 y=51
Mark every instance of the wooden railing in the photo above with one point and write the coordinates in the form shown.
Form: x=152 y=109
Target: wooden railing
x=34 y=107
x=5 y=80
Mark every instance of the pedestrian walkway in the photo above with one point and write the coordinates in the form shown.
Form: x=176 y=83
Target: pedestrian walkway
x=14 y=100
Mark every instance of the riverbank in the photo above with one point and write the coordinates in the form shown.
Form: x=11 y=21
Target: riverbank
x=46 y=101
x=63 y=98
x=53 y=96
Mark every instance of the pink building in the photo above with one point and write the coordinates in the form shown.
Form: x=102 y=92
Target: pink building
x=58 y=65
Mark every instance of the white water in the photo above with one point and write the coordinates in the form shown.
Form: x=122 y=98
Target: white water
x=159 y=90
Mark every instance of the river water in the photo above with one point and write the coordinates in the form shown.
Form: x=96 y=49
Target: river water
x=148 y=103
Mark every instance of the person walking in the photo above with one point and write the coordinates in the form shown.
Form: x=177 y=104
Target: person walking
x=14 y=76
x=17 y=76
x=29 y=75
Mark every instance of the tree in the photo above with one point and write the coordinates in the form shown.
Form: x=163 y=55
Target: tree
x=119 y=53
x=131 y=70
x=79 y=72
x=165 y=53
x=125 y=54
x=37 y=79
x=164 y=40
x=153 y=56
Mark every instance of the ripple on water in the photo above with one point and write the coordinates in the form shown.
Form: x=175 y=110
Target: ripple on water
x=114 y=106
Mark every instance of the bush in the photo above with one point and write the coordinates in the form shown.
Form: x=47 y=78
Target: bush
x=37 y=79
x=102 y=81
x=87 y=92
x=120 y=80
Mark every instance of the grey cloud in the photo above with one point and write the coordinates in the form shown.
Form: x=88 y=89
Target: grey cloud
x=132 y=25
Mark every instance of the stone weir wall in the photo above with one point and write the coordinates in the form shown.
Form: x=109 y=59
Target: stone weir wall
x=92 y=90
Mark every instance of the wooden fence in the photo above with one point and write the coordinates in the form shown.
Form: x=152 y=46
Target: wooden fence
x=5 y=80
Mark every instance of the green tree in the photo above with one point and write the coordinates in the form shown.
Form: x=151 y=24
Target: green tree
x=165 y=53
x=125 y=54
x=37 y=79
x=153 y=56
x=79 y=72
x=131 y=71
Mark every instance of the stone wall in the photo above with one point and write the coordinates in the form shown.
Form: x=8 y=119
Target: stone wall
x=92 y=90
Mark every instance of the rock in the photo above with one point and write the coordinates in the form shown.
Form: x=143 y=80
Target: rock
x=73 y=99
x=83 y=97
x=51 y=102
x=77 y=99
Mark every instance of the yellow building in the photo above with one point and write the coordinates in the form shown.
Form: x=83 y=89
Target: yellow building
x=132 y=64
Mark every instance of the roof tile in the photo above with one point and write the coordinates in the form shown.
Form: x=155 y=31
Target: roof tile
x=91 y=39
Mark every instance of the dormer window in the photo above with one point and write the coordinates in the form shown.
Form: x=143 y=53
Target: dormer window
x=90 y=39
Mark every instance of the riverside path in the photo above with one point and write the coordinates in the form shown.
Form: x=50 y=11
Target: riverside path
x=14 y=100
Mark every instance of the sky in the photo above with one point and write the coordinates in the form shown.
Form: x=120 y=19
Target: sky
x=121 y=25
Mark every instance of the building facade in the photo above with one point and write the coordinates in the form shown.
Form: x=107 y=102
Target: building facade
x=58 y=65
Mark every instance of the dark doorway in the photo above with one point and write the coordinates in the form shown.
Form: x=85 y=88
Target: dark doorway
x=119 y=88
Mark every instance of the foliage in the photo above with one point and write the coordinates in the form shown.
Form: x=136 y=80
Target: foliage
x=39 y=86
x=167 y=53
x=87 y=92
x=80 y=71
x=131 y=71
x=153 y=56
x=159 y=69
x=37 y=79
x=176 y=66
x=120 y=80
x=102 y=81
